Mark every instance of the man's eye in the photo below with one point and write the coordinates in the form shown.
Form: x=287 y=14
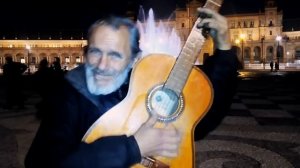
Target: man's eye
x=115 y=55
x=94 y=52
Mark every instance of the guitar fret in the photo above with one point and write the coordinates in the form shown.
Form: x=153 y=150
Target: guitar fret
x=211 y=4
x=215 y=3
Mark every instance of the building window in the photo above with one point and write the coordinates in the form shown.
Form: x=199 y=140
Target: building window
x=182 y=25
x=271 y=23
x=67 y=59
x=245 y=24
x=271 y=33
x=77 y=59
x=232 y=25
x=22 y=60
x=249 y=36
x=33 y=60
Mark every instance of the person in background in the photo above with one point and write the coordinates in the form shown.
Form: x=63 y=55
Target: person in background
x=271 y=66
x=13 y=79
x=43 y=84
x=276 y=66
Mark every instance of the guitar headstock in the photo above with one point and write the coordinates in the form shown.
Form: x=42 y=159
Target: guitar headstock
x=210 y=4
x=213 y=4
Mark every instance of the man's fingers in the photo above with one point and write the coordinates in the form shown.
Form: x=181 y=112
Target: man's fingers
x=168 y=153
x=205 y=23
x=151 y=120
x=208 y=12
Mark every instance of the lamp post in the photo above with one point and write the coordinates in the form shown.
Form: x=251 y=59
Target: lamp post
x=285 y=50
x=262 y=51
x=242 y=38
x=28 y=58
x=278 y=39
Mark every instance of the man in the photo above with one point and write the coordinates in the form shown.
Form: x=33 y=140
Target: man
x=92 y=89
x=12 y=74
x=271 y=66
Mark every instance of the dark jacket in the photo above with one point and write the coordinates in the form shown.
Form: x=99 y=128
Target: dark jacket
x=58 y=140
x=221 y=69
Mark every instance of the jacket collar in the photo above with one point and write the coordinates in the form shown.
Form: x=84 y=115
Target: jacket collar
x=77 y=78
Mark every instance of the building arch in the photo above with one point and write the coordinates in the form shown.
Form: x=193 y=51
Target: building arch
x=8 y=55
x=257 y=54
x=20 y=57
x=76 y=58
x=52 y=57
x=32 y=58
x=43 y=56
x=269 y=53
x=65 y=58
x=247 y=54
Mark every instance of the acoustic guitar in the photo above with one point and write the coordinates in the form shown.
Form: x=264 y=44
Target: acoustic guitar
x=174 y=89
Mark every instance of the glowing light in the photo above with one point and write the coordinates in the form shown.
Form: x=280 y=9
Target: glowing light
x=242 y=36
x=157 y=38
x=77 y=60
x=278 y=38
x=67 y=60
x=28 y=47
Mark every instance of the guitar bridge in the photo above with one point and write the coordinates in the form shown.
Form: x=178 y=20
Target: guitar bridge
x=151 y=162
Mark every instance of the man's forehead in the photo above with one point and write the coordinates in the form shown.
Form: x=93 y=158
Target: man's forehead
x=112 y=30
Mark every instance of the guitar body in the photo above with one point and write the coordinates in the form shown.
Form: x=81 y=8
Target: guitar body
x=127 y=116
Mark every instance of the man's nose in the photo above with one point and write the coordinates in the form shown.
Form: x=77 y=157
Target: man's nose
x=103 y=62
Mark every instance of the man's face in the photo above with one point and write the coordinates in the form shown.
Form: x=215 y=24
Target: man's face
x=108 y=59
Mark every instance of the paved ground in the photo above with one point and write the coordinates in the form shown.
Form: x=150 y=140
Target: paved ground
x=261 y=131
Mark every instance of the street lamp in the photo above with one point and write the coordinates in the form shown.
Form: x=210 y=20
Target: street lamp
x=278 y=39
x=28 y=58
x=262 y=51
x=242 y=38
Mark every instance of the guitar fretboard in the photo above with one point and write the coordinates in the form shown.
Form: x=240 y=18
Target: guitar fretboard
x=188 y=55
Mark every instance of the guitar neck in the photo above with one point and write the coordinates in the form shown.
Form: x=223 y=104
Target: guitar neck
x=189 y=53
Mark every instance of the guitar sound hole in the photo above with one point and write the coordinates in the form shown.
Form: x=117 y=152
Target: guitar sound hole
x=164 y=103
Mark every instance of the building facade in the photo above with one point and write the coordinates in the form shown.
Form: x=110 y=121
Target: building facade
x=259 y=39
x=31 y=52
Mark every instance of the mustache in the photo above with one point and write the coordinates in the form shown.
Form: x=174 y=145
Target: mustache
x=97 y=71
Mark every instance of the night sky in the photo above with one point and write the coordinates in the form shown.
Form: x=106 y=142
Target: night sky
x=44 y=18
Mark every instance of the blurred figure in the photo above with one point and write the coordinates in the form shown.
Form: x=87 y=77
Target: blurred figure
x=42 y=81
x=12 y=74
x=56 y=64
x=276 y=66
x=271 y=66
x=57 y=73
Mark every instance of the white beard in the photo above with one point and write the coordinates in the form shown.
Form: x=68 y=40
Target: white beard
x=104 y=90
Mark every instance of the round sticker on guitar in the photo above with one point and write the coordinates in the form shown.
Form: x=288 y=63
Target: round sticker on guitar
x=165 y=103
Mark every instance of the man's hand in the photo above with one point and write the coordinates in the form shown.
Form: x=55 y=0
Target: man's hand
x=218 y=25
x=158 y=141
